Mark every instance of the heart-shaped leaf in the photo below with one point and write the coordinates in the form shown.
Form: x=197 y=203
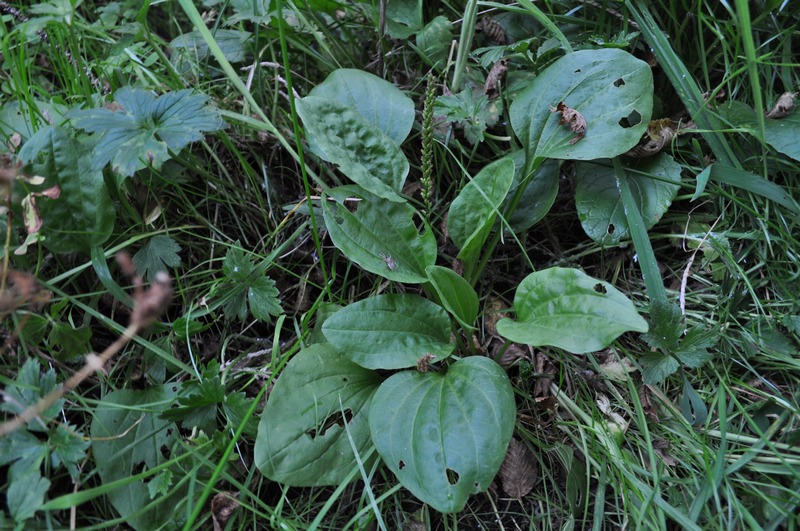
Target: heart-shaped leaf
x=445 y=435
x=390 y=331
x=654 y=182
x=301 y=437
x=361 y=150
x=380 y=103
x=380 y=236
x=611 y=89
x=473 y=212
x=457 y=295
x=568 y=309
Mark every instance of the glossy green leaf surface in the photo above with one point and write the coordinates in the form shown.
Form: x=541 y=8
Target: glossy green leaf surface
x=390 y=331
x=301 y=437
x=610 y=88
x=568 y=309
x=539 y=194
x=83 y=215
x=473 y=212
x=128 y=437
x=381 y=236
x=379 y=102
x=363 y=152
x=444 y=435
x=456 y=294
x=654 y=182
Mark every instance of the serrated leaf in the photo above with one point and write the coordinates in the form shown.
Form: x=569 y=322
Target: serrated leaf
x=146 y=128
x=444 y=435
x=263 y=299
x=26 y=495
x=654 y=182
x=128 y=437
x=473 y=212
x=568 y=309
x=379 y=102
x=656 y=367
x=67 y=342
x=23 y=451
x=28 y=388
x=362 y=151
x=610 y=88
x=197 y=403
x=301 y=437
x=403 y=18
x=248 y=285
x=83 y=216
x=456 y=294
x=159 y=485
x=380 y=236
x=68 y=448
x=160 y=253
x=390 y=331
x=235 y=407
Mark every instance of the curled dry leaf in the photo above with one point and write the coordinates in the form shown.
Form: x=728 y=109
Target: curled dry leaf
x=222 y=507
x=492 y=29
x=783 y=107
x=647 y=405
x=512 y=354
x=423 y=364
x=544 y=375
x=519 y=470
x=659 y=134
x=496 y=75
x=571 y=118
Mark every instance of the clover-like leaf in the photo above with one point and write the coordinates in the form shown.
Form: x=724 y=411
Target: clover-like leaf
x=320 y=401
x=568 y=309
x=146 y=127
x=444 y=435
x=391 y=331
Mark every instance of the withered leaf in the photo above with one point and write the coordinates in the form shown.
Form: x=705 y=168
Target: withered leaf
x=496 y=75
x=519 y=470
x=647 y=405
x=783 y=107
x=544 y=372
x=222 y=507
x=659 y=134
x=571 y=118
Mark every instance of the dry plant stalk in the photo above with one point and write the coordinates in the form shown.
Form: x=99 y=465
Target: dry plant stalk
x=148 y=305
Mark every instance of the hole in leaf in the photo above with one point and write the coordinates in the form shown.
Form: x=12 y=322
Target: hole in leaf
x=618 y=83
x=632 y=120
x=401 y=465
x=165 y=451
x=452 y=476
x=345 y=379
x=578 y=71
x=335 y=419
x=601 y=289
x=611 y=228
x=477 y=487
x=420 y=224
x=138 y=468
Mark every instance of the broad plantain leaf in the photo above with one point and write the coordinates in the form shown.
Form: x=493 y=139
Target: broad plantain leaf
x=380 y=103
x=363 y=152
x=539 y=194
x=782 y=134
x=444 y=435
x=146 y=127
x=654 y=182
x=610 y=88
x=380 y=236
x=456 y=294
x=301 y=437
x=568 y=309
x=128 y=438
x=473 y=212
x=83 y=216
x=390 y=331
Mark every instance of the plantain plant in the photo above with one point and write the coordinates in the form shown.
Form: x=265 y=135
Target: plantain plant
x=443 y=418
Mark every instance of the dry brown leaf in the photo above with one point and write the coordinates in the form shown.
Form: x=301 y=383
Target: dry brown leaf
x=423 y=364
x=519 y=470
x=511 y=355
x=544 y=369
x=222 y=507
x=783 y=107
x=492 y=29
x=495 y=310
x=496 y=75
x=659 y=134
x=571 y=118
x=647 y=405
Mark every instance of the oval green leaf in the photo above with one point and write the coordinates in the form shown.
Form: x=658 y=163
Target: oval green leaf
x=445 y=435
x=610 y=88
x=456 y=294
x=381 y=236
x=539 y=194
x=568 y=309
x=390 y=331
x=83 y=215
x=472 y=213
x=654 y=182
x=380 y=103
x=301 y=437
x=362 y=151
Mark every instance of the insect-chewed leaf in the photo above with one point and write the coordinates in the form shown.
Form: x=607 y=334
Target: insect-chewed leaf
x=518 y=471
